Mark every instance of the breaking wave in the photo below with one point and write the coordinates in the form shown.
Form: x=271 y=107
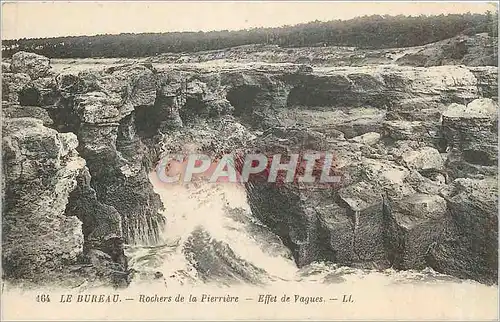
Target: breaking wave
x=211 y=237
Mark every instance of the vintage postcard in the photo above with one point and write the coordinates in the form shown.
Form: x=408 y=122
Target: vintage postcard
x=249 y=160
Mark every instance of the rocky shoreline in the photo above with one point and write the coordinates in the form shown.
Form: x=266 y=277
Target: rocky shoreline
x=417 y=148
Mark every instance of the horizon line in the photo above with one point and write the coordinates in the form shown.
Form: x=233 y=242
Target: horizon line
x=243 y=29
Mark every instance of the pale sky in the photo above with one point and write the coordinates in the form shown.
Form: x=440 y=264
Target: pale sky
x=51 y=19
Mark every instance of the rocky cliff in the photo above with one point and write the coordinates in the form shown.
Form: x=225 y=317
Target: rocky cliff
x=416 y=148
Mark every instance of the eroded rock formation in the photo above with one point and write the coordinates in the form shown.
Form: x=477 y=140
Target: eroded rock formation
x=474 y=50
x=40 y=170
x=416 y=148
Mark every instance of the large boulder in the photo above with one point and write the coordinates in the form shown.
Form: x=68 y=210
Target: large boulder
x=133 y=84
x=471 y=131
x=376 y=237
x=34 y=65
x=422 y=218
x=40 y=168
x=40 y=92
x=136 y=83
x=52 y=217
x=12 y=85
x=369 y=138
x=483 y=108
x=468 y=247
x=97 y=108
x=16 y=111
x=426 y=158
x=418 y=131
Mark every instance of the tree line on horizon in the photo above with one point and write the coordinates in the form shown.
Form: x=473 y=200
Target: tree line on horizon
x=369 y=32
